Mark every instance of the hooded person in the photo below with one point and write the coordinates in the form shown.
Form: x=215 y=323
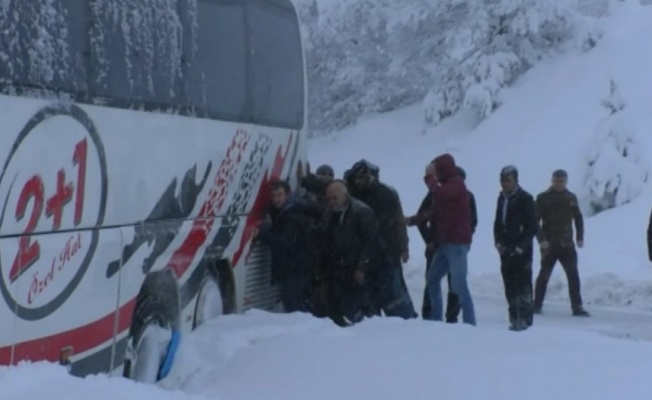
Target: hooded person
x=451 y=215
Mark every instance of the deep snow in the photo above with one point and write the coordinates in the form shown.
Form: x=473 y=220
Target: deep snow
x=545 y=122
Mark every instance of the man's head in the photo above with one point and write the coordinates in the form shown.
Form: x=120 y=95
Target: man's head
x=559 y=180
x=280 y=192
x=509 y=178
x=325 y=173
x=430 y=177
x=337 y=195
x=364 y=174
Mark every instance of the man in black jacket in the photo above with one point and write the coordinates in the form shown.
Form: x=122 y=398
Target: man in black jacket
x=292 y=241
x=427 y=231
x=515 y=227
x=353 y=254
x=390 y=293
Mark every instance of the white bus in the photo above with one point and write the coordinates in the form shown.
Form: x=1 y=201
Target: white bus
x=137 y=140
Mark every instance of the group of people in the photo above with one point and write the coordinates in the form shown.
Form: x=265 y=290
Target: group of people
x=338 y=245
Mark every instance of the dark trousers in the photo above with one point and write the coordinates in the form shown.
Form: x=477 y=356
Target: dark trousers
x=295 y=290
x=452 y=302
x=343 y=301
x=567 y=257
x=517 y=279
x=389 y=293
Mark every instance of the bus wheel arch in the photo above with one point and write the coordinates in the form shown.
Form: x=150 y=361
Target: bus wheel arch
x=154 y=331
x=216 y=293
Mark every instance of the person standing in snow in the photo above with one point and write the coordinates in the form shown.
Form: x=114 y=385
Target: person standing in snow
x=556 y=209
x=353 y=253
x=292 y=241
x=515 y=227
x=426 y=230
x=388 y=290
x=450 y=213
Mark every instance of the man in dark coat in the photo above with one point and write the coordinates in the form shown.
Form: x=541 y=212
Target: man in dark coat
x=292 y=241
x=427 y=231
x=556 y=209
x=515 y=226
x=450 y=213
x=353 y=253
x=390 y=293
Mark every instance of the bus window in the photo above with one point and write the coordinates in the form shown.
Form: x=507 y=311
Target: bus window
x=50 y=53
x=217 y=73
x=136 y=54
x=276 y=63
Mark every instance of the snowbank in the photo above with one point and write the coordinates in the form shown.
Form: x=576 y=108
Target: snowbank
x=281 y=357
x=50 y=381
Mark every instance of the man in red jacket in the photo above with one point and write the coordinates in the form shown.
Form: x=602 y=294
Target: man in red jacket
x=452 y=221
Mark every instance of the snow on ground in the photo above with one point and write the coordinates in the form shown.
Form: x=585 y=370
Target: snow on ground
x=545 y=122
x=262 y=356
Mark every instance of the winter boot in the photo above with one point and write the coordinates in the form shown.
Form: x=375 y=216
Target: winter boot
x=580 y=312
x=519 y=325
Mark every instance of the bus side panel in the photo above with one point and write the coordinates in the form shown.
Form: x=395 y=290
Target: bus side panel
x=7 y=317
x=65 y=302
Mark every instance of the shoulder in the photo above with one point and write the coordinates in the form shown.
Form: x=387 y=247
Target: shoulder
x=524 y=195
x=543 y=195
x=360 y=207
x=387 y=191
x=572 y=196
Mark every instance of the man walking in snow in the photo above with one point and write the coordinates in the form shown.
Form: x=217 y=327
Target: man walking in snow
x=515 y=226
x=557 y=208
x=387 y=289
x=426 y=228
x=451 y=215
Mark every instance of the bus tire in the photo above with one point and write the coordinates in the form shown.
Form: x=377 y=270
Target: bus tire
x=153 y=335
x=210 y=302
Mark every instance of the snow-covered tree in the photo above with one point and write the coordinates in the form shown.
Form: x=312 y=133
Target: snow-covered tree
x=616 y=164
x=377 y=55
x=507 y=37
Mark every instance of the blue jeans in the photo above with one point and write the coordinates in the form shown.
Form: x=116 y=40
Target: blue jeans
x=450 y=259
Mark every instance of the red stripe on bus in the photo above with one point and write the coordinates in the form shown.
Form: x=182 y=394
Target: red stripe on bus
x=82 y=339
x=183 y=256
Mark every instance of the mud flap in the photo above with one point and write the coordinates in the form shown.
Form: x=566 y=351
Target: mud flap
x=175 y=340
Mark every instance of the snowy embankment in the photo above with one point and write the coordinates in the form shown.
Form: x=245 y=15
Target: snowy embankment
x=546 y=122
x=261 y=356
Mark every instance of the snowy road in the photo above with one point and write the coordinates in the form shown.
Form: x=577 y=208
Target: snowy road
x=623 y=324
x=271 y=356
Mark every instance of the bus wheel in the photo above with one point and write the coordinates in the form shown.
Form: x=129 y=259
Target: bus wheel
x=209 y=300
x=149 y=342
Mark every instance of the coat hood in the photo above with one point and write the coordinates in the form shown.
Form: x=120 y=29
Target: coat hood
x=445 y=166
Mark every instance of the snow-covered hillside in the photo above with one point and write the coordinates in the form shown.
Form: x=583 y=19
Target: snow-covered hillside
x=548 y=120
